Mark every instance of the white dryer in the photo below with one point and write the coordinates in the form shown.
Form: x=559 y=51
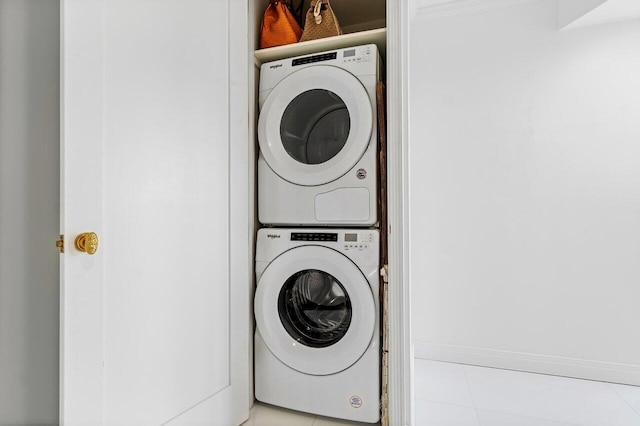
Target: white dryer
x=317 y=131
x=317 y=342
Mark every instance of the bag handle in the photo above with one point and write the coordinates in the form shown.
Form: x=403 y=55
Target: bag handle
x=316 y=12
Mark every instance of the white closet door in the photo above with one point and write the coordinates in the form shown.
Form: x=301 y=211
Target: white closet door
x=146 y=321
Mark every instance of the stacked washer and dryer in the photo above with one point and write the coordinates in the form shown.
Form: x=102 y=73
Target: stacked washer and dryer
x=317 y=309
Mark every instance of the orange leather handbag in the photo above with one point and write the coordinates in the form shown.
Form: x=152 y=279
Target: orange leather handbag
x=279 y=27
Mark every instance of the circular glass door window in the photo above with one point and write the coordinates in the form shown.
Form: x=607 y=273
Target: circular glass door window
x=314 y=308
x=315 y=126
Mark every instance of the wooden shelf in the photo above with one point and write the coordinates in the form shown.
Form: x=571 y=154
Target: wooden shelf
x=377 y=37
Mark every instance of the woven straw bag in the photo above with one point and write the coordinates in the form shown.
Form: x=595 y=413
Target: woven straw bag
x=321 y=22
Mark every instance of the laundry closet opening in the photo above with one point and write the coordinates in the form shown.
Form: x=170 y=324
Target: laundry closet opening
x=319 y=185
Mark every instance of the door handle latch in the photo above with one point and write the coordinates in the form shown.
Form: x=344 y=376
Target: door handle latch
x=60 y=243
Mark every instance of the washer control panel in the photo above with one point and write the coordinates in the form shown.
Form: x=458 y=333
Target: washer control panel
x=357 y=240
x=362 y=246
x=314 y=236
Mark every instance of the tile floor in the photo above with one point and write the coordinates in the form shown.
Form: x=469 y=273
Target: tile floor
x=462 y=395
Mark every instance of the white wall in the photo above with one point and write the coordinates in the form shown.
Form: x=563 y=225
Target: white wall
x=29 y=211
x=525 y=192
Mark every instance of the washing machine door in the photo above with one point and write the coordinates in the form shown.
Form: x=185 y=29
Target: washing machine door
x=315 y=310
x=315 y=125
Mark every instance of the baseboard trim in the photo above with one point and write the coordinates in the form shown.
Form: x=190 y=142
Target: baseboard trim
x=544 y=364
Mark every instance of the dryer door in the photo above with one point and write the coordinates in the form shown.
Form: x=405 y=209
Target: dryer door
x=315 y=125
x=315 y=310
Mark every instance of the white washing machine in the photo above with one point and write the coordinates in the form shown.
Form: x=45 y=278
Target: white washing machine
x=317 y=131
x=317 y=340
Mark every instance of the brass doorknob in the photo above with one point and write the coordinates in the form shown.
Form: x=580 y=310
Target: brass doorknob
x=87 y=242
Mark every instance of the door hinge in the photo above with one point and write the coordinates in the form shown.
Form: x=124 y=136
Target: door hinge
x=60 y=243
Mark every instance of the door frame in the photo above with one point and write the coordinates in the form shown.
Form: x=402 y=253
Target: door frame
x=242 y=222
x=400 y=397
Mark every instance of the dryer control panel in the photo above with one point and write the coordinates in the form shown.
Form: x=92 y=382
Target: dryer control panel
x=315 y=58
x=361 y=61
x=365 y=53
x=359 y=54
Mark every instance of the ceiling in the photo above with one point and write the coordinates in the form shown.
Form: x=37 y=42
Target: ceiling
x=585 y=11
x=610 y=11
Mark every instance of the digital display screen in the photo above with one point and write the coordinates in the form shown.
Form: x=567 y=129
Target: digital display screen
x=349 y=53
x=351 y=238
